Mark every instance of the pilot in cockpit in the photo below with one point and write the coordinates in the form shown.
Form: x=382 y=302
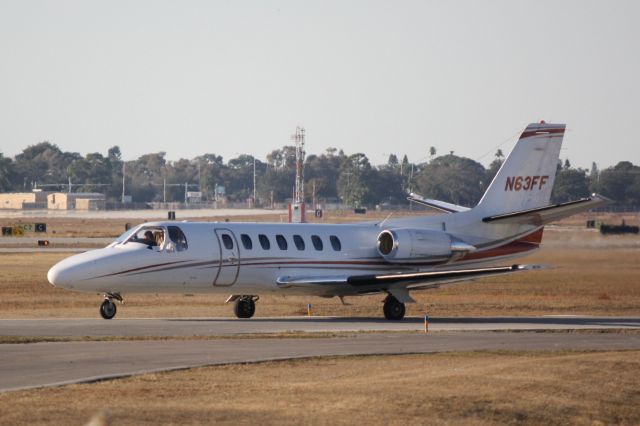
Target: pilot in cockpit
x=159 y=238
x=162 y=244
x=149 y=239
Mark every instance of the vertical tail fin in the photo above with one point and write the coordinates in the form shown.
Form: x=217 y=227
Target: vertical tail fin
x=526 y=177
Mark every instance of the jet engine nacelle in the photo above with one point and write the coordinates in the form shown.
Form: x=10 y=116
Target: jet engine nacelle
x=420 y=245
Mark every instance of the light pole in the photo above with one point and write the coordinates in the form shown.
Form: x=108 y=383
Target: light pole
x=123 y=169
x=254 y=178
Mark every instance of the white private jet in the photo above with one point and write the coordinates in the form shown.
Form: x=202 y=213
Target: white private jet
x=392 y=257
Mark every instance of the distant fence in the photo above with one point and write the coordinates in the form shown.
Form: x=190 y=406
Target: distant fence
x=614 y=208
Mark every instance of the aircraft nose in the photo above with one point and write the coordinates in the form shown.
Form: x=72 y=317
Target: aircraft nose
x=64 y=275
x=56 y=276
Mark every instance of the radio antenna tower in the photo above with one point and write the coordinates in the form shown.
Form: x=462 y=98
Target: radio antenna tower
x=297 y=209
x=298 y=139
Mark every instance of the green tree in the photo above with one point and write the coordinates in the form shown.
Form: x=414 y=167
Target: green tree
x=621 y=183
x=356 y=180
x=43 y=163
x=570 y=184
x=453 y=179
x=495 y=166
x=432 y=152
x=6 y=173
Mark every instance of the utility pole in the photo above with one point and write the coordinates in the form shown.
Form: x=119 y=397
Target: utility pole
x=254 y=182
x=199 y=179
x=164 y=190
x=123 y=168
x=315 y=201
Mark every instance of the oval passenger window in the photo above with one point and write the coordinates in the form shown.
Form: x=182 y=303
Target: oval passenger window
x=317 y=242
x=227 y=241
x=299 y=242
x=282 y=242
x=246 y=241
x=335 y=243
x=264 y=242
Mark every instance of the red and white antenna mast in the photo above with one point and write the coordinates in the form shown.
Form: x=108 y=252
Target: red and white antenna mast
x=297 y=207
x=298 y=139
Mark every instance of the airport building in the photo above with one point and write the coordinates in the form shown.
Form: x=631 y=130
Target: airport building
x=75 y=200
x=23 y=200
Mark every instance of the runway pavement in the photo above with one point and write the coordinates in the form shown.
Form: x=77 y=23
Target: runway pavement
x=231 y=326
x=55 y=363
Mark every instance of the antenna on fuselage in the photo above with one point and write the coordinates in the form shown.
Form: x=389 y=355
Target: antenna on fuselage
x=385 y=219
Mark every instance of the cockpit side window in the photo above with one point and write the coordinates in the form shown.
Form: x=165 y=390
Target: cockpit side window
x=178 y=238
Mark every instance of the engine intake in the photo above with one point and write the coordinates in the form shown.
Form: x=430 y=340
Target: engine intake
x=420 y=245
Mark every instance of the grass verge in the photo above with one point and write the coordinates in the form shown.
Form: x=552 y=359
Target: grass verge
x=467 y=388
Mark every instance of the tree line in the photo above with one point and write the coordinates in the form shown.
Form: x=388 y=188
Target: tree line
x=331 y=176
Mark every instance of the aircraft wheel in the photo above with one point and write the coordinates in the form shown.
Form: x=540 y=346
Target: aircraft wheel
x=245 y=307
x=108 y=309
x=393 y=309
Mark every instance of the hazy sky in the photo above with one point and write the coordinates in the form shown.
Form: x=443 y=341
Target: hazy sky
x=227 y=77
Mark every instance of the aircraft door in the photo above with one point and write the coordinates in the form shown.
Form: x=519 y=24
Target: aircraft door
x=229 y=266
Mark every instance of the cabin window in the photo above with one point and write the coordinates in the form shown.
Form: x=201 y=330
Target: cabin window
x=264 y=242
x=177 y=236
x=227 y=241
x=282 y=242
x=299 y=242
x=246 y=241
x=317 y=242
x=335 y=243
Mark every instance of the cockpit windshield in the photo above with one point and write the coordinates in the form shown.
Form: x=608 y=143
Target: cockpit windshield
x=123 y=237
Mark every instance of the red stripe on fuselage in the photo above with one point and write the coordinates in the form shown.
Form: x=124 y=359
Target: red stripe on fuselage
x=522 y=245
x=541 y=132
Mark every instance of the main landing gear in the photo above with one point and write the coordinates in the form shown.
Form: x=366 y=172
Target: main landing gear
x=108 y=307
x=393 y=308
x=245 y=306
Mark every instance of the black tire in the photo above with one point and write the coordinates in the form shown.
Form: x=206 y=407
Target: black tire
x=393 y=309
x=108 y=309
x=245 y=307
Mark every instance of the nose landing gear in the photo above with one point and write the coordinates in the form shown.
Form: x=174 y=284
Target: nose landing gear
x=108 y=307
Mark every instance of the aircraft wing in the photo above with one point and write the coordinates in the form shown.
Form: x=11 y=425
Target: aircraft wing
x=398 y=284
x=543 y=215
x=438 y=205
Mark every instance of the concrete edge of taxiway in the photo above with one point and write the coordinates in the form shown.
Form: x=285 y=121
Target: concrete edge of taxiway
x=32 y=371
x=116 y=376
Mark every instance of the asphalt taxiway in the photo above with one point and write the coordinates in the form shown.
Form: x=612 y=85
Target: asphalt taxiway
x=182 y=327
x=167 y=344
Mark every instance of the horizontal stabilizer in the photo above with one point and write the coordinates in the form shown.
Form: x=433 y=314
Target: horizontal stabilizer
x=438 y=205
x=543 y=215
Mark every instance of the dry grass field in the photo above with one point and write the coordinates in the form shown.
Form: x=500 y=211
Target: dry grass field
x=454 y=388
x=591 y=274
